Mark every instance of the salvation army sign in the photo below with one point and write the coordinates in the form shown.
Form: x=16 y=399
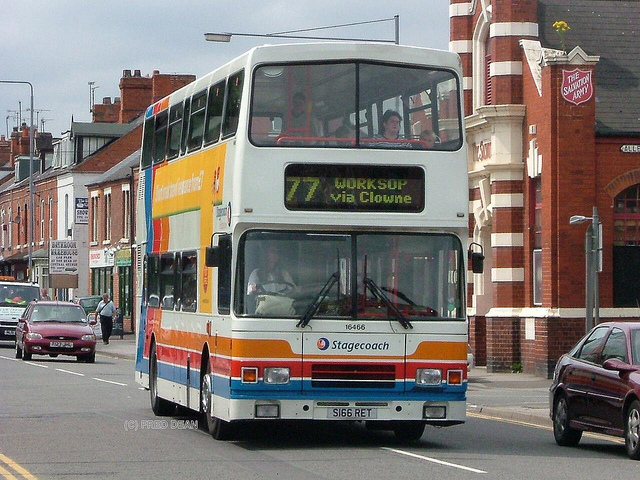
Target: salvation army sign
x=577 y=86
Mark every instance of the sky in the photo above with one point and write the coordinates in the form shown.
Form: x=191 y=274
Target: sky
x=60 y=46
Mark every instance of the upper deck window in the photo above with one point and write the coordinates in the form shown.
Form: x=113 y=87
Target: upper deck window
x=232 y=108
x=355 y=105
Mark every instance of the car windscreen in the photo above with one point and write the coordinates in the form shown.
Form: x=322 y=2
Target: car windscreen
x=58 y=313
x=635 y=346
x=89 y=304
x=18 y=295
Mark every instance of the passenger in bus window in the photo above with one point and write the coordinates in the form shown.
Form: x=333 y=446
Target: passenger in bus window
x=390 y=130
x=390 y=125
x=271 y=277
x=300 y=122
x=428 y=138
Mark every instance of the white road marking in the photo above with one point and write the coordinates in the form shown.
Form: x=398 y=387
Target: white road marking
x=110 y=381
x=596 y=436
x=141 y=388
x=9 y=358
x=434 y=460
x=68 y=371
x=36 y=365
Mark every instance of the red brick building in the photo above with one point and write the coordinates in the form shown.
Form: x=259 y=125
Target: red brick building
x=553 y=130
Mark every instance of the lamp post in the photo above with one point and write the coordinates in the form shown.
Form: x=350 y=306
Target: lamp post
x=226 y=36
x=31 y=148
x=593 y=256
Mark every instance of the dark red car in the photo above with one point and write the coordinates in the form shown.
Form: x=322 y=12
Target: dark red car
x=55 y=328
x=596 y=387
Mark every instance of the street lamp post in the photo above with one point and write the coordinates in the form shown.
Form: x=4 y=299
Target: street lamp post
x=31 y=194
x=593 y=256
x=226 y=36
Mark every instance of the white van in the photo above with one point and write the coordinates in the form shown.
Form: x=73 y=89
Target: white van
x=14 y=298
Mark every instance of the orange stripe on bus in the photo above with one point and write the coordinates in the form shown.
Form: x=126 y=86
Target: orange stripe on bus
x=237 y=347
x=440 y=351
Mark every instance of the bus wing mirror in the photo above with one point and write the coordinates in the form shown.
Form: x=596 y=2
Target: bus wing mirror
x=476 y=258
x=212 y=256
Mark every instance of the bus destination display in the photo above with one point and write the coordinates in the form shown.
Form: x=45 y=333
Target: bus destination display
x=365 y=188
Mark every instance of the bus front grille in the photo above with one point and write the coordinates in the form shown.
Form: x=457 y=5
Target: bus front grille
x=331 y=375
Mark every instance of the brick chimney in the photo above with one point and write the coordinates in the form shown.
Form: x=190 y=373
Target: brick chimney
x=135 y=95
x=165 y=84
x=20 y=142
x=106 y=112
x=5 y=151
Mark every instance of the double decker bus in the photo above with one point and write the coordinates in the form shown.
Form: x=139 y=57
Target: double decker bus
x=302 y=212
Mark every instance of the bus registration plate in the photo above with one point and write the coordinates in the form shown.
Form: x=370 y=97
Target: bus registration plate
x=356 y=413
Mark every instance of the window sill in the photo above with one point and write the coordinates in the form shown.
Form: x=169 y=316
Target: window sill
x=93 y=244
x=124 y=240
x=106 y=242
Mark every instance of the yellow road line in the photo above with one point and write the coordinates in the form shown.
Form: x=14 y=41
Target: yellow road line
x=596 y=436
x=5 y=473
x=13 y=465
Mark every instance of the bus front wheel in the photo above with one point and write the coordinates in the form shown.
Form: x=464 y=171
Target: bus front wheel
x=219 y=429
x=160 y=406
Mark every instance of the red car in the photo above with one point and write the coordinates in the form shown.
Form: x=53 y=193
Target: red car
x=55 y=328
x=596 y=387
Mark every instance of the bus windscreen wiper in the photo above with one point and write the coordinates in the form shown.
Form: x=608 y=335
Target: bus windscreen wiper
x=375 y=289
x=400 y=295
x=315 y=305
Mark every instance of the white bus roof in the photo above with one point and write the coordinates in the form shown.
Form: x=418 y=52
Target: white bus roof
x=324 y=51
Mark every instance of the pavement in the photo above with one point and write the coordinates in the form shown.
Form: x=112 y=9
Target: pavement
x=516 y=397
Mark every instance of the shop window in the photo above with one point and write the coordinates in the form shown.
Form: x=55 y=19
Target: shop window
x=626 y=248
x=537 y=239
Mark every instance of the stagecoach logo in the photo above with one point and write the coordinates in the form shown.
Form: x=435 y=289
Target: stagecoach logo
x=577 y=86
x=325 y=344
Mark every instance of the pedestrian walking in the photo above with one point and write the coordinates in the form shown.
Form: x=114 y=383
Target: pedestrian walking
x=107 y=311
x=45 y=295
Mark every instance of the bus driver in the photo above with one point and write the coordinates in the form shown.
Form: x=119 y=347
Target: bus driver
x=272 y=278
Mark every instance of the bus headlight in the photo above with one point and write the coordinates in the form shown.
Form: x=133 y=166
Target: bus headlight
x=276 y=375
x=428 y=376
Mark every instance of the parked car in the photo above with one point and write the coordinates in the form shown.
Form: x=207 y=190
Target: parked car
x=14 y=297
x=90 y=304
x=596 y=387
x=55 y=328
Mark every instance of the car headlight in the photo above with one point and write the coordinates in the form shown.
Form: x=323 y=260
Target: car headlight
x=33 y=336
x=276 y=375
x=428 y=376
x=89 y=336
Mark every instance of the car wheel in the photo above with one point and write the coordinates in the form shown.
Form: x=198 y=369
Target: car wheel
x=90 y=358
x=565 y=435
x=632 y=431
x=18 y=351
x=408 y=431
x=219 y=429
x=160 y=406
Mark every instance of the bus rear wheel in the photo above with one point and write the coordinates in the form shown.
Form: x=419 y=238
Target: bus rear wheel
x=217 y=428
x=408 y=431
x=160 y=406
